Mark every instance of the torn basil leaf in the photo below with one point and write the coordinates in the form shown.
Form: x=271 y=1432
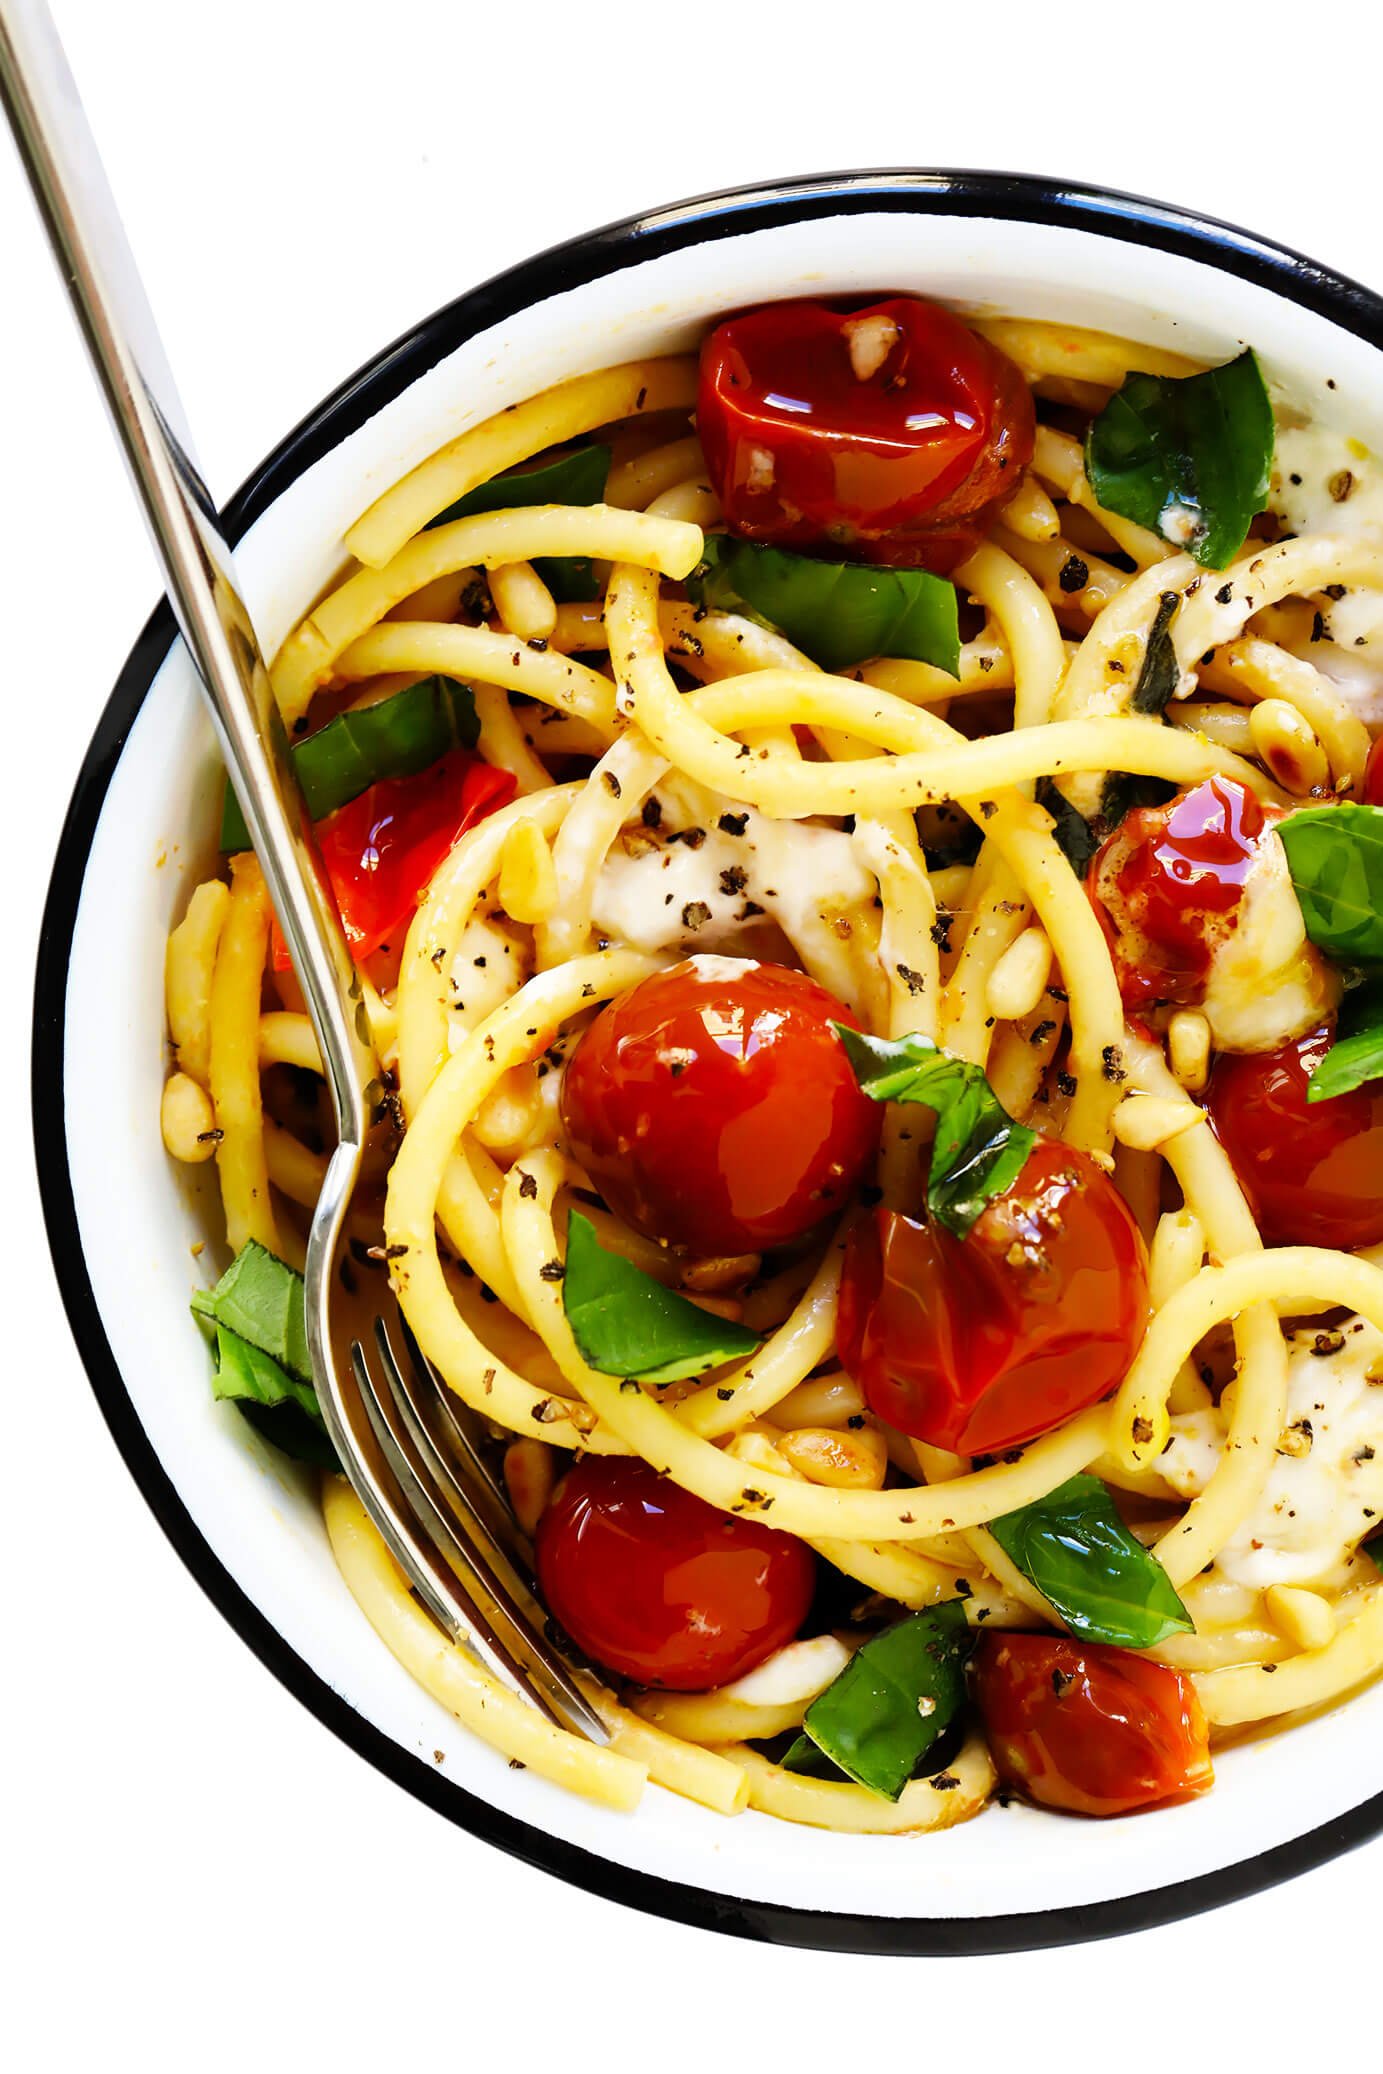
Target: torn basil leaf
x=1104 y=1584
x=626 y=1324
x=277 y=1405
x=1160 y=670
x=1356 y=1056
x=396 y=738
x=1188 y=457
x=978 y=1150
x=838 y=613
x=803 y=1756
x=1079 y=837
x=260 y=1299
x=1335 y=856
x=575 y=478
x=878 y=1719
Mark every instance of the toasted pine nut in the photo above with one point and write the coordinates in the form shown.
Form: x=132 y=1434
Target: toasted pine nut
x=1031 y=513
x=527 y=875
x=1288 y=746
x=523 y=601
x=1188 y=1046
x=530 y=1471
x=720 y=1272
x=1019 y=979
x=1144 y=1121
x=188 y=1119
x=507 y=1115
x=844 y=1461
x=823 y=1400
x=1304 y=1617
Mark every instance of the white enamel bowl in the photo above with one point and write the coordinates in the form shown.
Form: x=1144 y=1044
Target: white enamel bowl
x=141 y=830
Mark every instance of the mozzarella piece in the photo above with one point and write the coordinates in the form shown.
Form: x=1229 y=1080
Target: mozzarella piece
x=1326 y=1489
x=1267 y=982
x=800 y=1671
x=490 y=964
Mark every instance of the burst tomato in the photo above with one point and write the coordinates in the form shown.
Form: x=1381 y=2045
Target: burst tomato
x=714 y=1107
x=894 y=432
x=1087 y=1728
x=662 y=1588
x=980 y=1343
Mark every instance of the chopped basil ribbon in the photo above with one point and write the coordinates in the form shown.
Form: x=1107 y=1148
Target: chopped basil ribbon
x=838 y=613
x=1356 y=1056
x=576 y=478
x=1098 y=1576
x=396 y=738
x=1188 y=457
x=626 y=1324
x=878 y=1719
x=1335 y=856
x=257 y=1314
x=1077 y=836
x=978 y=1151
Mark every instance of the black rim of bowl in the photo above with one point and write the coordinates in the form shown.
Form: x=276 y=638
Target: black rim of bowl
x=1010 y=197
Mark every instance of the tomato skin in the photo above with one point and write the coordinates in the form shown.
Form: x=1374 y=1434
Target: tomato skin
x=662 y=1588
x=715 y=1109
x=908 y=466
x=1087 y=1728
x=980 y=1343
x=1372 y=789
x=1167 y=885
x=1313 y=1172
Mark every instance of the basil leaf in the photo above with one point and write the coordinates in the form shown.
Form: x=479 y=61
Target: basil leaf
x=1102 y=1581
x=1356 y=1056
x=803 y=1756
x=395 y=738
x=838 y=613
x=576 y=478
x=284 y=1410
x=1079 y=837
x=978 y=1150
x=1335 y=855
x=1160 y=670
x=626 y=1324
x=260 y=1299
x=1188 y=458
x=881 y=1716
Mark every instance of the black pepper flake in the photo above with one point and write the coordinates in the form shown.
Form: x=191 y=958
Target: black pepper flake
x=692 y=837
x=211 y=1137
x=639 y=399
x=1361 y=1455
x=1326 y=1343
x=1065 y=1083
x=725 y=1395
x=537 y=642
x=964 y=1588
x=1335 y=591
x=989 y=808
x=733 y=824
x=734 y=879
x=1112 y=1064
x=652 y=814
x=528 y=1185
x=944 y=1782
x=1113 y=664
x=1267 y=1667
x=612 y=785
x=1142 y=1431
x=1224 y=594
x=1062 y=1681
x=551 y=1271
x=941 y=932
x=748 y=911
x=906 y=1519
x=1042 y=1032
x=1318 y=627
x=1075 y=574
x=438 y=958
x=913 y=981
x=695 y=914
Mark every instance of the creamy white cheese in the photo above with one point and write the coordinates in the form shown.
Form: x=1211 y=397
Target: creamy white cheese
x=1267 y=983
x=490 y=964
x=1326 y=1489
x=1325 y=481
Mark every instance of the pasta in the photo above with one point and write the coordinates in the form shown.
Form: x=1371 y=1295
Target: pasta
x=847 y=958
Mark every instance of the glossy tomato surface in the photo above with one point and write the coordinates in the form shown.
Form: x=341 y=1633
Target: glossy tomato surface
x=662 y=1588
x=893 y=433
x=979 y=1343
x=1372 y=789
x=1167 y=885
x=1087 y=1728
x=714 y=1107
x=1312 y=1171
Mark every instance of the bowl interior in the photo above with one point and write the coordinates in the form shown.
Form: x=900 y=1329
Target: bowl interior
x=154 y=837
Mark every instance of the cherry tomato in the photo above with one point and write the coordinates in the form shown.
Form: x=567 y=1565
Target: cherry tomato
x=894 y=432
x=979 y=1343
x=1167 y=886
x=659 y=1586
x=381 y=849
x=1373 y=776
x=714 y=1107
x=1094 y=1730
x=1313 y=1172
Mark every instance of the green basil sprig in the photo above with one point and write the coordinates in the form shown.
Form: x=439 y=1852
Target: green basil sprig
x=1356 y=1056
x=1099 y=1577
x=877 y=1720
x=626 y=1324
x=838 y=613
x=259 y=1321
x=575 y=478
x=978 y=1150
x=395 y=738
x=1188 y=458
x=1335 y=855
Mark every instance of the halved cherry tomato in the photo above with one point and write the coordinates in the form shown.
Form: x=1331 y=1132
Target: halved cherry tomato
x=1167 y=886
x=659 y=1586
x=980 y=1343
x=1094 y=1730
x=381 y=849
x=894 y=431
x=1313 y=1172
x=1372 y=789
x=714 y=1107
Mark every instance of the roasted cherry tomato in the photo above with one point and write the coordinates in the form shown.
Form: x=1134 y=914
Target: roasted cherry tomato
x=1313 y=1172
x=892 y=432
x=1167 y=886
x=659 y=1586
x=979 y=1343
x=1373 y=775
x=1094 y=1730
x=381 y=849
x=714 y=1107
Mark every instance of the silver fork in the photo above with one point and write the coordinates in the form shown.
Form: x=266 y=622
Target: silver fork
x=412 y=1459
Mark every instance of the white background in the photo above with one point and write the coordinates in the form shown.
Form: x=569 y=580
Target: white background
x=200 y=1877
